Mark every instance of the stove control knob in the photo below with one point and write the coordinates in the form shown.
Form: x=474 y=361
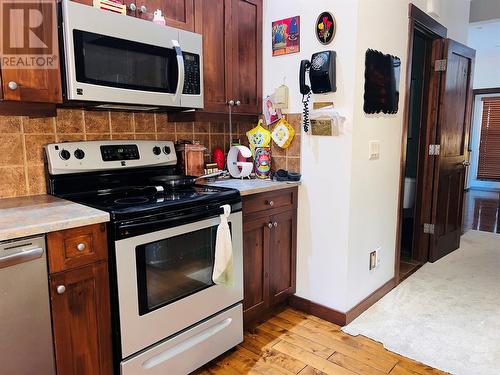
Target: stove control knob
x=167 y=150
x=156 y=150
x=79 y=154
x=64 y=154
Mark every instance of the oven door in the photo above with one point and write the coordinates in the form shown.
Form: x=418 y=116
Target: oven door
x=113 y=58
x=165 y=281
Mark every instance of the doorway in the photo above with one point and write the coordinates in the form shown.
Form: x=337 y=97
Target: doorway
x=434 y=145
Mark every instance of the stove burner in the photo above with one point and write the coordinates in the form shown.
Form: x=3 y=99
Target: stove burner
x=131 y=200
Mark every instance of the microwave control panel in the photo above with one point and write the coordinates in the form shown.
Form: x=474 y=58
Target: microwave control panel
x=191 y=74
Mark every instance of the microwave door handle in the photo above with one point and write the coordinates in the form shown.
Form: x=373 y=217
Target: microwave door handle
x=180 y=69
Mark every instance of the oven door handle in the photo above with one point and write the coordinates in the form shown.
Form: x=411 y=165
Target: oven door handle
x=186 y=344
x=180 y=70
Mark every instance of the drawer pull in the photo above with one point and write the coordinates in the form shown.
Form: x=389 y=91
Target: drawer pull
x=271 y=203
x=275 y=224
x=60 y=289
x=80 y=247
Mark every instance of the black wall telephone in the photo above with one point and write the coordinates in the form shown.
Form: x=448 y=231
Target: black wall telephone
x=322 y=77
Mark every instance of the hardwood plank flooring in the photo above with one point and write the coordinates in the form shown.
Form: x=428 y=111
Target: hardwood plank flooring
x=293 y=342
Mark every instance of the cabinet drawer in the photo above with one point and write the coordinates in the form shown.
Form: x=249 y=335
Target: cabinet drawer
x=268 y=201
x=76 y=247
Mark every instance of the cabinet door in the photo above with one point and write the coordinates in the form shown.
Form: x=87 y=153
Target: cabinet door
x=256 y=239
x=211 y=18
x=282 y=256
x=81 y=320
x=177 y=13
x=246 y=55
x=33 y=84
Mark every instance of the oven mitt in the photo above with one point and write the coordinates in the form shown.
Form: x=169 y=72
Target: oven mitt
x=223 y=265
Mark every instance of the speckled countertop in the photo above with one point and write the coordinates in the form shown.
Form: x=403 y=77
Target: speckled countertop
x=27 y=216
x=247 y=187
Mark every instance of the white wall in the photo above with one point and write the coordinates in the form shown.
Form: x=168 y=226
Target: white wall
x=325 y=161
x=375 y=184
x=347 y=204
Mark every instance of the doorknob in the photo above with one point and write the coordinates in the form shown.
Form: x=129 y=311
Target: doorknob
x=465 y=163
x=60 y=289
x=13 y=85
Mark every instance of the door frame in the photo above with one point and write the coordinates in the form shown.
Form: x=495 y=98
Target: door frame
x=420 y=22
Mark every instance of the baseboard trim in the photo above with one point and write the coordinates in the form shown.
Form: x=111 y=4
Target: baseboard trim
x=370 y=300
x=335 y=316
x=318 y=310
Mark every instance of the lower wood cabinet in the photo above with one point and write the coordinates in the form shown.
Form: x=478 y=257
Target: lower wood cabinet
x=80 y=303
x=269 y=251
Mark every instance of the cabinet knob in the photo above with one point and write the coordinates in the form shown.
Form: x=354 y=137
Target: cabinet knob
x=231 y=102
x=465 y=163
x=13 y=85
x=143 y=9
x=270 y=225
x=80 y=247
x=275 y=224
x=271 y=203
x=238 y=102
x=60 y=289
x=132 y=7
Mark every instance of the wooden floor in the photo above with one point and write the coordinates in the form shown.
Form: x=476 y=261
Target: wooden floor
x=296 y=343
x=407 y=267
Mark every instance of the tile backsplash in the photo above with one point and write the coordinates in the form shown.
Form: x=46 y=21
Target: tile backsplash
x=22 y=170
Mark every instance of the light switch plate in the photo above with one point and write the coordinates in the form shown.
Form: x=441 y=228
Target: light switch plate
x=374 y=150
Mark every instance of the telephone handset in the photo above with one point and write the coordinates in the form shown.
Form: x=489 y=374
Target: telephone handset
x=322 y=77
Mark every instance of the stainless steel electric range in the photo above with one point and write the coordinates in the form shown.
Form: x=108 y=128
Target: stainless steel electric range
x=169 y=317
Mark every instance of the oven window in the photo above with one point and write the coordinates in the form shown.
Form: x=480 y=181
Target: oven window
x=174 y=268
x=107 y=61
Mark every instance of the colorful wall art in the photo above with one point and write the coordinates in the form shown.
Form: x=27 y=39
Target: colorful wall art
x=286 y=36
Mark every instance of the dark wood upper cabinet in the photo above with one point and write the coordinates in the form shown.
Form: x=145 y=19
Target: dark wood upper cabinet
x=177 y=13
x=232 y=53
x=35 y=85
x=245 y=55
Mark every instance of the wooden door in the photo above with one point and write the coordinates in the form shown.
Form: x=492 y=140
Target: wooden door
x=453 y=137
x=42 y=84
x=81 y=320
x=282 y=256
x=246 y=55
x=256 y=240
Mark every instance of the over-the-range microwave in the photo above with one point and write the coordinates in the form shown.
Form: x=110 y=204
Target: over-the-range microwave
x=120 y=62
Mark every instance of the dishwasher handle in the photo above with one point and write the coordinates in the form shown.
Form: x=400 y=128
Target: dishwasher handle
x=22 y=256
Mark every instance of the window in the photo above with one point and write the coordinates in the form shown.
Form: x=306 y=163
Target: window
x=489 y=147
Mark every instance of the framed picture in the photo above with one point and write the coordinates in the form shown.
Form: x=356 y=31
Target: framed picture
x=326 y=27
x=286 y=36
x=271 y=113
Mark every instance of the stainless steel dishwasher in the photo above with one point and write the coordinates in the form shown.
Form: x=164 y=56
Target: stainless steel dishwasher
x=25 y=326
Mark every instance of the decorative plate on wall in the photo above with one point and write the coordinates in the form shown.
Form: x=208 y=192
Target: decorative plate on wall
x=326 y=27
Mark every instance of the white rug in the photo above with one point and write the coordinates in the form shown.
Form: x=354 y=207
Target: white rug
x=447 y=314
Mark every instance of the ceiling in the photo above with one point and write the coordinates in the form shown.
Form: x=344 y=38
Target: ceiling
x=484 y=10
x=485 y=36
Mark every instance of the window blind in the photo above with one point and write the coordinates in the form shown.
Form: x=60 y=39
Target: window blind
x=489 y=147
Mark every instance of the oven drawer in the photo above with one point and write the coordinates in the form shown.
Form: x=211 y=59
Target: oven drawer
x=181 y=354
x=268 y=201
x=76 y=247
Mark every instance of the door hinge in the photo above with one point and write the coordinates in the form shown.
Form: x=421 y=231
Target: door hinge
x=434 y=150
x=428 y=228
x=440 y=65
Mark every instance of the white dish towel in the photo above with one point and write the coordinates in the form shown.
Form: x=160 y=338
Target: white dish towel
x=223 y=265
